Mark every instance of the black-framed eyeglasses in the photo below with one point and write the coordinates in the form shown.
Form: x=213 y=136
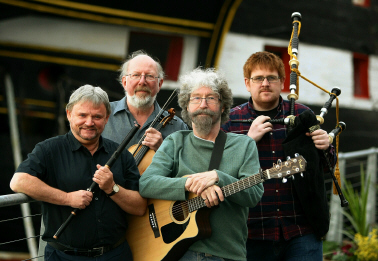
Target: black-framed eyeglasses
x=260 y=79
x=137 y=76
x=209 y=100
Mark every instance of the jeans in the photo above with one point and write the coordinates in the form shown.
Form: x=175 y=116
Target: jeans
x=122 y=252
x=195 y=256
x=302 y=248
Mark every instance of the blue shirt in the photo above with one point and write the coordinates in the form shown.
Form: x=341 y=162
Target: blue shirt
x=121 y=121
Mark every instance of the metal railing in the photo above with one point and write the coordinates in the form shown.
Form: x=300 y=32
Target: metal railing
x=27 y=219
x=17 y=157
x=349 y=164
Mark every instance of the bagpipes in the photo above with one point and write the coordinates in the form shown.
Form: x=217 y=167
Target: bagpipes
x=308 y=121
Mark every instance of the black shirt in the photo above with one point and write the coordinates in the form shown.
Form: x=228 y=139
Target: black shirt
x=63 y=163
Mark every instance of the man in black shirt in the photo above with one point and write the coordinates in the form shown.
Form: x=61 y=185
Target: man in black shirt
x=59 y=170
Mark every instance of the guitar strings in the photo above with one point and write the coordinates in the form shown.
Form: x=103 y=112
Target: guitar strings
x=198 y=202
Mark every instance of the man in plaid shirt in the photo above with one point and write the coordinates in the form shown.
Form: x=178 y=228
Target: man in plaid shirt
x=283 y=225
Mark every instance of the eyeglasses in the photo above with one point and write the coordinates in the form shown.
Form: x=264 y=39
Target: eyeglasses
x=260 y=79
x=209 y=100
x=148 y=77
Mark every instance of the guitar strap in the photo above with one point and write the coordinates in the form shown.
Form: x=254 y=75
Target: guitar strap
x=217 y=153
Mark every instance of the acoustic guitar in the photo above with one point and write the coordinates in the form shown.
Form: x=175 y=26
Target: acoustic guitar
x=168 y=228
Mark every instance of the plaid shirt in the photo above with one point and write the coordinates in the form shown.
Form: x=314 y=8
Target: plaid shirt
x=279 y=208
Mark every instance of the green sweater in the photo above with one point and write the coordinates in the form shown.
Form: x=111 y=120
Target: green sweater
x=182 y=154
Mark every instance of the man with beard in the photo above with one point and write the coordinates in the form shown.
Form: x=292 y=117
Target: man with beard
x=181 y=165
x=60 y=169
x=141 y=77
x=291 y=218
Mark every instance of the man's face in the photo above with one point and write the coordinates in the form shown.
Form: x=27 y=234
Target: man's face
x=87 y=121
x=204 y=114
x=140 y=92
x=265 y=95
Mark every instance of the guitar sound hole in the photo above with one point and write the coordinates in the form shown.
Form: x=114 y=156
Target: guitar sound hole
x=180 y=211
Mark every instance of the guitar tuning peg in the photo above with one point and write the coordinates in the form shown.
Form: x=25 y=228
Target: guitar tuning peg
x=296 y=155
x=279 y=161
x=284 y=180
x=302 y=174
x=288 y=158
x=292 y=177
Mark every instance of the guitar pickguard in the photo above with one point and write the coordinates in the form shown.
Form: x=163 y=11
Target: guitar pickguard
x=180 y=216
x=172 y=231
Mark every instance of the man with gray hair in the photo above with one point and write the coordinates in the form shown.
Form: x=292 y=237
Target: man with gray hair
x=141 y=77
x=181 y=165
x=60 y=169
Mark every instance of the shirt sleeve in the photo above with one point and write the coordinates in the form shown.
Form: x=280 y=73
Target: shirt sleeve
x=248 y=197
x=159 y=180
x=35 y=163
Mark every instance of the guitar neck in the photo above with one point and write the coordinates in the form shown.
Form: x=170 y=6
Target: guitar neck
x=280 y=170
x=228 y=190
x=240 y=185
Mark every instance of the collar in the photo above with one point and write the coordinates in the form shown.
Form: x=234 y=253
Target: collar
x=76 y=145
x=121 y=105
x=203 y=139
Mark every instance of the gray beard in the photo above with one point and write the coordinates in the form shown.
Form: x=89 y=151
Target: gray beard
x=204 y=124
x=141 y=103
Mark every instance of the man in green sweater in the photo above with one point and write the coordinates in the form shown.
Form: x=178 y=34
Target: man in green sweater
x=206 y=99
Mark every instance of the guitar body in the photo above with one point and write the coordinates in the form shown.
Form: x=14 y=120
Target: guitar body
x=166 y=231
x=145 y=161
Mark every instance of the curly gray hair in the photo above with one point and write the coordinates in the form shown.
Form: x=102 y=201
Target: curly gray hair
x=198 y=78
x=125 y=66
x=96 y=95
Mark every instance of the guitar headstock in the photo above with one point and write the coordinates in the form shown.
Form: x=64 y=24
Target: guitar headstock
x=287 y=168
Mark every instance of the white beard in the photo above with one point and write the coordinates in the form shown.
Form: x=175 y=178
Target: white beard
x=141 y=103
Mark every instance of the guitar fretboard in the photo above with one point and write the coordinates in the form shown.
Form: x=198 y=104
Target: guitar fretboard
x=140 y=154
x=228 y=190
x=280 y=170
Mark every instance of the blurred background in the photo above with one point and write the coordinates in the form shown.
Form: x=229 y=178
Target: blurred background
x=50 y=48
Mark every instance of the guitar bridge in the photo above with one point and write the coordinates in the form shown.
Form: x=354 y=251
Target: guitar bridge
x=153 y=221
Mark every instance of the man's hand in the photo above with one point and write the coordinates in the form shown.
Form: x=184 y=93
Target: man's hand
x=79 y=199
x=197 y=183
x=320 y=139
x=104 y=178
x=153 y=139
x=259 y=127
x=212 y=195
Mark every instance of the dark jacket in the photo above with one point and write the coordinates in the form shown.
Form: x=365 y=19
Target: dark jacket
x=310 y=188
